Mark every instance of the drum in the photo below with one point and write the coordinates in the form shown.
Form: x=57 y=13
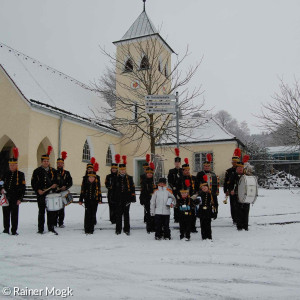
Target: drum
x=54 y=202
x=67 y=197
x=247 y=189
x=213 y=183
x=3 y=200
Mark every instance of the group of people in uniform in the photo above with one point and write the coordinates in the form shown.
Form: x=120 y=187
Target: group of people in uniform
x=190 y=196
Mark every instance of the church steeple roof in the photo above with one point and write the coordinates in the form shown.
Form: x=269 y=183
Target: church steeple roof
x=142 y=27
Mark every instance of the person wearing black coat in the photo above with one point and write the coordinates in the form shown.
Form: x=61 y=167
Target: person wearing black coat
x=44 y=181
x=229 y=174
x=175 y=181
x=242 y=209
x=90 y=167
x=90 y=195
x=64 y=182
x=186 y=206
x=108 y=184
x=147 y=188
x=192 y=188
x=14 y=187
x=123 y=194
x=206 y=209
x=213 y=183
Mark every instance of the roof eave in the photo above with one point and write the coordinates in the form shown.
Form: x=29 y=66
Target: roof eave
x=145 y=36
x=203 y=142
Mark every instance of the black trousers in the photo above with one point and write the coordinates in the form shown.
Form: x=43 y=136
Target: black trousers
x=242 y=210
x=185 y=223
x=162 y=221
x=205 y=223
x=233 y=207
x=89 y=217
x=51 y=215
x=60 y=217
x=193 y=221
x=150 y=222
x=123 y=210
x=112 y=212
x=10 y=216
x=176 y=211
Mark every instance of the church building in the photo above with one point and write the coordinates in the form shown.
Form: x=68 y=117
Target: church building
x=41 y=107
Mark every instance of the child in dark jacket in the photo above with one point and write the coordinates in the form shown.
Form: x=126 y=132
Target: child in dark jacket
x=186 y=206
x=90 y=195
x=205 y=210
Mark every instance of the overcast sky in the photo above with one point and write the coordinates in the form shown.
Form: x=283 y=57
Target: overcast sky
x=246 y=45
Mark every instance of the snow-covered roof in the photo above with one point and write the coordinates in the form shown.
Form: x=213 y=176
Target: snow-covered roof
x=47 y=88
x=209 y=131
x=283 y=149
x=142 y=27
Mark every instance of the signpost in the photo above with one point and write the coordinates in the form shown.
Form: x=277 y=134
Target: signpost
x=160 y=110
x=160 y=97
x=163 y=104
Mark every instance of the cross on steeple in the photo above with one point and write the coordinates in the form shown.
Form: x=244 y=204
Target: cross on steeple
x=144 y=5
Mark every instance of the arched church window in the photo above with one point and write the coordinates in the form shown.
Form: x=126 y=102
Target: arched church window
x=166 y=70
x=86 y=153
x=159 y=66
x=145 y=63
x=108 y=157
x=129 y=66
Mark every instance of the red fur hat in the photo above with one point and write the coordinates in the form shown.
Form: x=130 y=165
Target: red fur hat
x=148 y=158
x=246 y=158
x=209 y=157
x=96 y=167
x=117 y=158
x=49 y=150
x=187 y=183
x=16 y=153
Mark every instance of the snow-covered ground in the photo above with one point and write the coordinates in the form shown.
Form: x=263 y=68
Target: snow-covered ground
x=263 y=263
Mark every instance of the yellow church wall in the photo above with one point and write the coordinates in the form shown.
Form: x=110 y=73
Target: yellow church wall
x=45 y=128
x=33 y=130
x=15 y=113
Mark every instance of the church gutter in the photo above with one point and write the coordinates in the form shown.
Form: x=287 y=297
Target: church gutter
x=59 y=134
x=102 y=128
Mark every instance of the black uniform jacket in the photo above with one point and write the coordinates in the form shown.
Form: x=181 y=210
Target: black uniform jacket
x=14 y=185
x=42 y=179
x=64 y=178
x=90 y=192
x=108 y=184
x=228 y=174
x=123 y=189
x=147 y=188
x=175 y=179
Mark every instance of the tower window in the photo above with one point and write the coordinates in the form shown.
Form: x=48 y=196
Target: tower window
x=166 y=70
x=128 y=66
x=145 y=63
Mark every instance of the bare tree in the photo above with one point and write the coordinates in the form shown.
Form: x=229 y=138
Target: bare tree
x=240 y=130
x=282 y=116
x=143 y=68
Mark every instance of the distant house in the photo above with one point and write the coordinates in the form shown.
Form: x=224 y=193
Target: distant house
x=287 y=158
x=285 y=152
